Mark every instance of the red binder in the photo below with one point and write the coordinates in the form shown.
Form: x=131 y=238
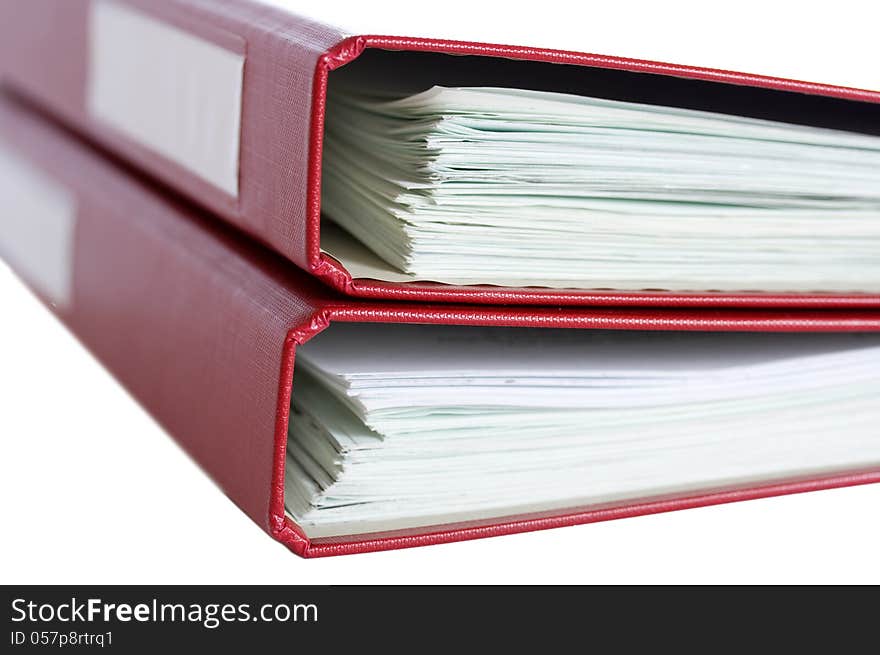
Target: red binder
x=202 y=326
x=266 y=178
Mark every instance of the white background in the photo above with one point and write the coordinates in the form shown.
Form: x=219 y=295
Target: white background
x=94 y=492
x=811 y=40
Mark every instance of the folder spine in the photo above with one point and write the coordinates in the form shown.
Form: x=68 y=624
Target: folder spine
x=190 y=317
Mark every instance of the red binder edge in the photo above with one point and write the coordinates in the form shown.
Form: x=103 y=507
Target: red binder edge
x=299 y=544
x=334 y=273
x=285 y=530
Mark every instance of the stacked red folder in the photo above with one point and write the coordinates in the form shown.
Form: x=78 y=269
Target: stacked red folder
x=202 y=325
x=117 y=71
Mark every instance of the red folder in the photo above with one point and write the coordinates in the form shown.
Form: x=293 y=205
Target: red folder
x=202 y=326
x=50 y=50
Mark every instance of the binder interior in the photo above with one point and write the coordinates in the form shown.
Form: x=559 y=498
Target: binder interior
x=363 y=244
x=414 y=427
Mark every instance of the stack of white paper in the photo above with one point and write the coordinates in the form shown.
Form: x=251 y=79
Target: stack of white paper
x=411 y=426
x=508 y=186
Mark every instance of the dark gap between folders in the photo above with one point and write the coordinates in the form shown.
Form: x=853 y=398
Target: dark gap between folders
x=421 y=70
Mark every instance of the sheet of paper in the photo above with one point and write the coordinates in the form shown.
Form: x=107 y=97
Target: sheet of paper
x=385 y=351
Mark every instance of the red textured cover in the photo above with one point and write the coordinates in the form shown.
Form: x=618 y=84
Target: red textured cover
x=202 y=327
x=43 y=51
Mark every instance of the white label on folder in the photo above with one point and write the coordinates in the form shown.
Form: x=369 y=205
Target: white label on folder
x=166 y=89
x=37 y=219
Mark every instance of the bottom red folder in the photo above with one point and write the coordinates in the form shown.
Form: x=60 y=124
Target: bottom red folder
x=203 y=327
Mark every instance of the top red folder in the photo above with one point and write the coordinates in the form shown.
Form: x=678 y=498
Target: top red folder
x=226 y=102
